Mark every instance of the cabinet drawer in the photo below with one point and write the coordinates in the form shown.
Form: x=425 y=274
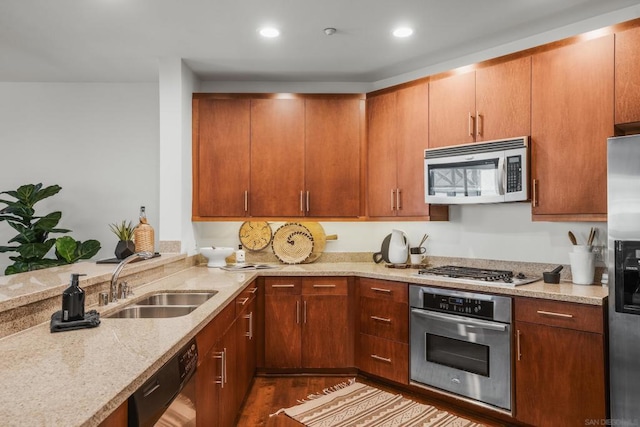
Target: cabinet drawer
x=214 y=330
x=384 y=290
x=589 y=318
x=245 y=298
x=384 y=319
x=282 y=285
x=324 y=286
x=384 y=358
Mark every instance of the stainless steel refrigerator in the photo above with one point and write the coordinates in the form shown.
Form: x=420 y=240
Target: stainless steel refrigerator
x=623 y=261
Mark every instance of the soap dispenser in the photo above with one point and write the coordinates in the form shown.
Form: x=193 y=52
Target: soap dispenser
x=73 y=301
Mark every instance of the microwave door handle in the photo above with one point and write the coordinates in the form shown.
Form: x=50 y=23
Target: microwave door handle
x=458 y=320
x=500 y=174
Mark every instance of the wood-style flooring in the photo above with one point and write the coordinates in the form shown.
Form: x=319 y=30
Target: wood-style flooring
x=268 y=394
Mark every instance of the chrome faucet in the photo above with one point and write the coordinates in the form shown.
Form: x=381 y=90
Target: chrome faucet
x=113 y=294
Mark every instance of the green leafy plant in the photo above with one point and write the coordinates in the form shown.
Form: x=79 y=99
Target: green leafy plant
x=124 y=230
x=33 y=241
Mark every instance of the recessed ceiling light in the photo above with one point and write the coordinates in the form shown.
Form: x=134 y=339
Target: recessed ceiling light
x=403 y=32
x=269 y=32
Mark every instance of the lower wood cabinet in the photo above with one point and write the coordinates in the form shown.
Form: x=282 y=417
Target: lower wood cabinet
x=560 y=365
x=383 y=340
x=307 y=323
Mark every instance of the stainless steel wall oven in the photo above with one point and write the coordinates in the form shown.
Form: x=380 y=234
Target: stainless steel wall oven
x=461 y=343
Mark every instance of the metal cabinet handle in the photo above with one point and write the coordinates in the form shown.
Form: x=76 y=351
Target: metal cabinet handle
x=478 y=123
x=518 y=349
x=308 y=203
x=550 y=313
x=381 y=319
x=534 y=202
x=392 y=200
x=380 y=358
x=324 y=286
x=398 y=198
x=297 y=312
x=224 y=364
x=289 y=285
x=246 y=201
x=304 y=313
x=386 y=291
x=254 y=290
x=244 y=301
x=249 y=333
x=221 y=379
x=301 y=201
x=470 y=127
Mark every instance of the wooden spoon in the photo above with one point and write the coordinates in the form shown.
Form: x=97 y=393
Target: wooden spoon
x=592 y=235
x=572 y=238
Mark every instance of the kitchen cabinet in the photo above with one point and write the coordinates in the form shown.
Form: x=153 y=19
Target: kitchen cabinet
x=333 y=128
x=397 y=124
x=277 y=157
x=307 y=323
x=489 y=103
x=571 y=119
x=226 y=361
x=221 y=149
x=118 y=418
x=627 y=76
x=560 y=376
x=384 y=329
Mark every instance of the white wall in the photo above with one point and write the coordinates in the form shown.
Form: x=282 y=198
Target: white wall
x=99 y=142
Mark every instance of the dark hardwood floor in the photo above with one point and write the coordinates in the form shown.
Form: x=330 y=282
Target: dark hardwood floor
x=268 y=394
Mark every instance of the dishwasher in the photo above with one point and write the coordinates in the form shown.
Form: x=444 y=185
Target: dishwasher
x=168 y=398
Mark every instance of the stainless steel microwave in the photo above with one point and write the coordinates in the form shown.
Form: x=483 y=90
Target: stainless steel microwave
x=485 y=172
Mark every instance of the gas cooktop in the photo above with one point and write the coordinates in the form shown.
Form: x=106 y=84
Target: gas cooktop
x=460 y=274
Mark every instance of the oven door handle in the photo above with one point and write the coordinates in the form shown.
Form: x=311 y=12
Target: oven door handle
x=458 y=320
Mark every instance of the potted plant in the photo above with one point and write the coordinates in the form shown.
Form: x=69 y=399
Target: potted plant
x=33 y=241
x=124 y=231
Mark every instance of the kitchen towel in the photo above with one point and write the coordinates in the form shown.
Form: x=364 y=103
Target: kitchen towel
x=91 y=320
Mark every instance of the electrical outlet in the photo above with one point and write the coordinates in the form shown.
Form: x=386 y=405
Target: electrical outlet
x=599 y=253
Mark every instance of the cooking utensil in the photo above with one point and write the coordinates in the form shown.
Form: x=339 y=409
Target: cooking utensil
x=552 y=276
x=592 y=235
x=424 y=239
x=572 y=238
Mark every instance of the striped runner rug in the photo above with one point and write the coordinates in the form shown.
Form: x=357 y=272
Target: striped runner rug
x=355 y=404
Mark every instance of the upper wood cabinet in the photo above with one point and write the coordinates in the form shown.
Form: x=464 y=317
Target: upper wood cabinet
x=571 y=119
x=332 y=156
x=221 y=149
x=397 y=124
x=627 y=76
x=277 y=157
x=486 y=104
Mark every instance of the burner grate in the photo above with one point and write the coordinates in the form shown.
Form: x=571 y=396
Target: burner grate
x=469 y=273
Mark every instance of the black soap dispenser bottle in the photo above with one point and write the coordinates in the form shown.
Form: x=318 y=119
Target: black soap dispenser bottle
x=73 y=301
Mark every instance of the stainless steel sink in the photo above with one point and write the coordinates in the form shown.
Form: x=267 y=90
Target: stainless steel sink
x=152 y=311
x=177 y=298
x=163 y=304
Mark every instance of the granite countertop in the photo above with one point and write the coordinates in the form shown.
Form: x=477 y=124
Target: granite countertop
x=77 y=378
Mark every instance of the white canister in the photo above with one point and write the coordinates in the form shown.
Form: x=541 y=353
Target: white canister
x=583 y=267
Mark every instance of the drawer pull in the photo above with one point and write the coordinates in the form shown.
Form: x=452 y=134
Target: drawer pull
x=518 y=349
x=324 y=286
x=254 y=290
x=284 y=286
x=550 y=313
x=386 y=291
x=243 y=301
x=380 y=358
x=381 y=319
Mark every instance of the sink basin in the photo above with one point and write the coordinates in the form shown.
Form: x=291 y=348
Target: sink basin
x=152 y=311
x=177 y=298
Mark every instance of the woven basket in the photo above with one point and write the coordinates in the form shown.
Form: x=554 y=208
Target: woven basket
x=292 y=243
x=144 y=238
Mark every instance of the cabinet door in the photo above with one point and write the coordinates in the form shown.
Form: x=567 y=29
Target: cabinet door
x=503 y=100
x=560 y=378
x=221 y=157
x=571 y=118
x=228 y=404
x=277 y=157
x=332 y=157
x=627 y=80
x=381 y=140
x=413 y=135
x=283 y=334
x=325 y=332
x=452 y=108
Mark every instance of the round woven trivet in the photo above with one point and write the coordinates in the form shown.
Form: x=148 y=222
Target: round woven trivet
x=292 y=243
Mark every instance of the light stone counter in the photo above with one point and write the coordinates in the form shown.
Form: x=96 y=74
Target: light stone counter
x=77 y=378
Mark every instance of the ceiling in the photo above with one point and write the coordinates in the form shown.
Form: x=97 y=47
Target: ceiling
x=121 y=40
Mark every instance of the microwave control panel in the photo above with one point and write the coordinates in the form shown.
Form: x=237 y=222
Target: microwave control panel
x=514 y=174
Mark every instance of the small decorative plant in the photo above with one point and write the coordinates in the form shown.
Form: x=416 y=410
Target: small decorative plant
x=33 y=241
x=124 y=230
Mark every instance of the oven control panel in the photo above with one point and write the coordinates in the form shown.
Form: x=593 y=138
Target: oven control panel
x=458 y=305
